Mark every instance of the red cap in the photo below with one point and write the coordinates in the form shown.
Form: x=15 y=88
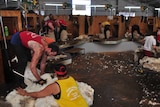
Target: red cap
x=61 y=71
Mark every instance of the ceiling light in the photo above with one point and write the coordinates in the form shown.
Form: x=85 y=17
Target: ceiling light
x=97 y=6
x=157 y=8
x=132 y=7
x=50 y=4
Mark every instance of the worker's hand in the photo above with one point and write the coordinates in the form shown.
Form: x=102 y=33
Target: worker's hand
x=41 y=73
x=21 y=91
x=53 y=75
x=41 y=81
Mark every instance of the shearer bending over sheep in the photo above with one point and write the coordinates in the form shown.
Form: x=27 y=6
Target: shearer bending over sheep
x=39 y=46
x=65 y=90
x=150 y=45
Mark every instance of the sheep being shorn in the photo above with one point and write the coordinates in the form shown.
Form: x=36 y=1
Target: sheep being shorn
x=25 y=101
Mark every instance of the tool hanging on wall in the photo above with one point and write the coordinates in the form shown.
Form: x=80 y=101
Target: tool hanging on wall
x=65 y=5
x=25 y=16
x=25 y=4
x=31 y=2
x=108 y=6
x=143 y=8
x=35 y=2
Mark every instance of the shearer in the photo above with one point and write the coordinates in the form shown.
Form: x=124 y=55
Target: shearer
x=150 y=45
x=105 y=28
x=62 y=34
x=55 y=28
x=65 y=90
x=50 y=26
x=39 y=48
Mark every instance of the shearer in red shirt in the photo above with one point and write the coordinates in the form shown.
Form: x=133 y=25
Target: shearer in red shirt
x=40 y=47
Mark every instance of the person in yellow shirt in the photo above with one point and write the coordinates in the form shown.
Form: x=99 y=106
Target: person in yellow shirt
x=105 y=27
x=65 y=90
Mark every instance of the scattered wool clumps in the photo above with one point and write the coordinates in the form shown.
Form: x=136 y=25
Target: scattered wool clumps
x=149 y=102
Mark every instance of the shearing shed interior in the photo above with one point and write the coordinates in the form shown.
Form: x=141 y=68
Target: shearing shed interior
x=107 y=51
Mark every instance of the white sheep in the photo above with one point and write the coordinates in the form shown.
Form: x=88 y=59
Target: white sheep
x=19 y=101
x=25 y=101
x=87 y=92
x=47 y=101
x=150 y=63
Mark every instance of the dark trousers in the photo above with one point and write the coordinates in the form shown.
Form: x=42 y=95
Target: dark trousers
x=148 y=53
x=23 y=55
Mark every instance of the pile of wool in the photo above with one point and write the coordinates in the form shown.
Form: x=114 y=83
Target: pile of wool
x=4 y=104
x=25 y=101
x=150 y=63
x=80 y=37
x=158 y=49
x=50 y=58
x=149 y=102
x=87 y=92
x=138 y=53
x=64 y=35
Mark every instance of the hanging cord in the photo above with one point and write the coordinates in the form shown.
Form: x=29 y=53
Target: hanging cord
x=4 y=37
x=25 y=15
x=5 y=42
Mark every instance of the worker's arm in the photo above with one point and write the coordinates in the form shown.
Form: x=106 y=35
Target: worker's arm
x=33 y=65
x=51 y=89
x=50 y=24
x=37 y=53
x=141 y=41
x=155 y=48
x=43 y=64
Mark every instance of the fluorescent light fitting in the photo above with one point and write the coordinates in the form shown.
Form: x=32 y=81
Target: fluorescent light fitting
x=14 y=0
x=157 y=8
x=50 y=4
x=132 y=7
x=97 y=6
